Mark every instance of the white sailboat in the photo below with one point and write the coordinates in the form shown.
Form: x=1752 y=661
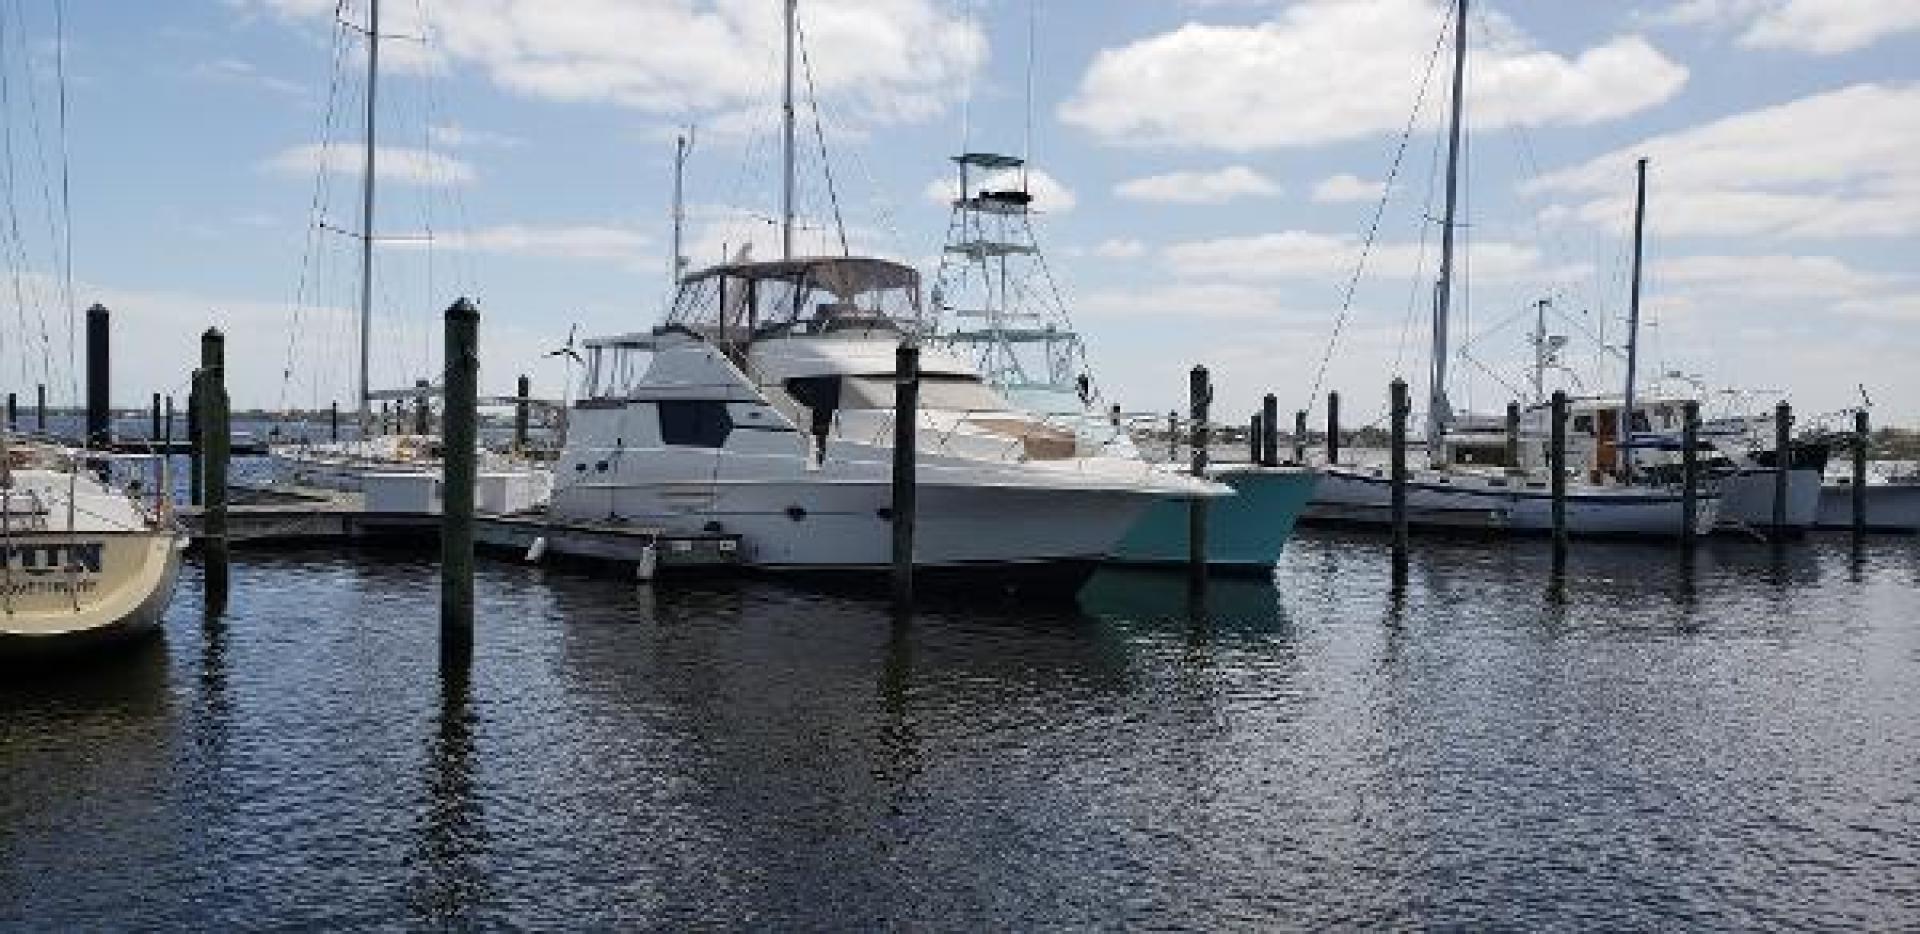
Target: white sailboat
x=765 y=407
x=1450 y=495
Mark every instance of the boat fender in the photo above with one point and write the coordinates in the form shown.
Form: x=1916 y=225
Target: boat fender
x=649 y=563
x=537 y=550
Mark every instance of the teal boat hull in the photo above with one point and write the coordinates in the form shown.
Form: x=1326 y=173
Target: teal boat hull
x=1245 y=532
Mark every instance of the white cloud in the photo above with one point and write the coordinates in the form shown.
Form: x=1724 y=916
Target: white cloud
x=883 y=60
x=1299 y=254
x=1049 y=195
x=1331 y=70
x=1837 y=164
x=1181 y=301
x=1345 y=187
x=235 y=71
x=456 y=136
x=1120 y=248
x=1768 y=278
x=1824 y=27
x=1216 y=187
x=391 y=164
x=587 y=241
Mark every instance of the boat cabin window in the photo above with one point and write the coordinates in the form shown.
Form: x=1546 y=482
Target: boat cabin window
x=1640 y=422
x=740 y=301
x=613 y=370
x=1583 y=424
x=697 y=423
x=938 y=391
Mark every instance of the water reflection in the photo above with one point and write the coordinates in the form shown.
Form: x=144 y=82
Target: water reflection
x=450 y=878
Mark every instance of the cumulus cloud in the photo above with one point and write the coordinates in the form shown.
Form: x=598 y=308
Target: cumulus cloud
x=1120 y=248
x=1216 y=187
x=395 y=164
x=1299 y=254
x=1771 y=277
x=884 y=60
x=1823 y=27
x=586 y=241
x=1344 y=187
x=1837 y=164
x=1330 y=70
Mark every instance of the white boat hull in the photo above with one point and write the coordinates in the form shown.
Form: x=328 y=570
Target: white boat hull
x=1746 y=500
x=814 y=525
x=1492 y=504
x=65 y=591
x=1891 y=507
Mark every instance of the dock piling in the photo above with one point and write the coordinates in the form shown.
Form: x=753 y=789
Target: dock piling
x=1173 y=437
x=1689 y=473
x=422 y=420
x=99 y=416
x=459 y=451
x=333 y=420
x=1333 y=428
x=1557 y=467
x=1513 y=440
x=40 y=409
x=215 y=439
x=1269 y=431
x=13 y=412
x=153 y=417
x=1782 y=464
x=1254 y=446
x=1199 y=401
x=906 y=493
x=1860 y=438
x=1300 y=437
x=523 y=392
x=1399 y=408
x=196 y=450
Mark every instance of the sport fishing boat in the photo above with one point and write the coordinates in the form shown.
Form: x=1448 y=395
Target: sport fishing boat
x=1001 y=312
x=86 y=564
x=765 y=407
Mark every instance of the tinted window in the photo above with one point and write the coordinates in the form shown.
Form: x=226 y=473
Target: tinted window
x=1583 y=424
x=694 y=423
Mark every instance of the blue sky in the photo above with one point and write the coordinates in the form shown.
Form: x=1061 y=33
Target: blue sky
x=1209 y=169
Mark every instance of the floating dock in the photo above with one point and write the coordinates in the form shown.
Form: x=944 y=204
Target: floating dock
x=264 y=516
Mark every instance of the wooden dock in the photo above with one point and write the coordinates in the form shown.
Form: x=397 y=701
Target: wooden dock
x=260 y=517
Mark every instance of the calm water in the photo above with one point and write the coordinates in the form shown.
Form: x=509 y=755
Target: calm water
x=1635 y=749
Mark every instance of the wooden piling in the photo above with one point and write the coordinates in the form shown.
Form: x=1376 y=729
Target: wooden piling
x=459 y=453
x=153 y=418
x=1300 y=437
x=422 y=420
x=40 y=409
x=1782 y=462
x=1689 y=473
x=522 y=410
x=1270 y=431
x=13 y=412
x=1860 y=438
x=906 y=492
x=1514 y=467
x=215 y=440
x=1173 y=437
x=1254 y=447
x=1333 y=428
x=1199 y=401
x=1398 y=407
x=99 y=415
x=333 y=420
x=1557 y=466
x=196 y=450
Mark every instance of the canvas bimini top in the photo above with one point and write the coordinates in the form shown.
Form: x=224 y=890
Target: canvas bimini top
x=747 y=301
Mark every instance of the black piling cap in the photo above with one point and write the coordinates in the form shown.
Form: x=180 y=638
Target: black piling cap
x=462 y=308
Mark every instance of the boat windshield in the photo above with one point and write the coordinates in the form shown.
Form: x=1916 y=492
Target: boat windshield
x=748 y=300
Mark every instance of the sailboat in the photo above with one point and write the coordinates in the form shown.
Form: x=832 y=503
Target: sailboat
x=406 y=462
x=764 y=406
x=1450 y=495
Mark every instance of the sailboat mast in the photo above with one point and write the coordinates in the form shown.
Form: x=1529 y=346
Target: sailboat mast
x=681 y=145
x=1540 y=349
x=1633 y=314
x=1438 y=409
x=786 y=155
x=366 y=216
